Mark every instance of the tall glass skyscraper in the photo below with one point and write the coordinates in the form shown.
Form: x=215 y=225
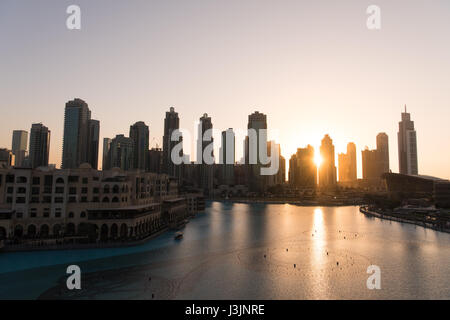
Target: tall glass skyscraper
x=81 y=136
x=122 y=152
x=327 y=170
x=206 y=176
x=257 y=123
x=39 y=145
x=139 y=133
x=19 y=146
x=383 y=149
x=106 y=163
x=171 y=123
x=227 y=156
x=407 y=145
x=347 y=164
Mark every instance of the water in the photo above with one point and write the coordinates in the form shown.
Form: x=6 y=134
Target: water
x=248 y=251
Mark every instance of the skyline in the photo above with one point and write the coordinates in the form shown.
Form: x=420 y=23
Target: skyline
x=346 y=81
x=140 y=129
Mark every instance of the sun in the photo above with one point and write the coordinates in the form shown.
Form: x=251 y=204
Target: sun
x=317 y=159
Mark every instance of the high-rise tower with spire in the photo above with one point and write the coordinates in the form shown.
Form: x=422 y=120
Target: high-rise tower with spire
x=407 y=145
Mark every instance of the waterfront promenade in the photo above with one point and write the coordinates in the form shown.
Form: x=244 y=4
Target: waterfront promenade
x=432 y=219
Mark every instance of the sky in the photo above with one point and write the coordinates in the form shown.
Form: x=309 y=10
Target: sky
x=312 y=66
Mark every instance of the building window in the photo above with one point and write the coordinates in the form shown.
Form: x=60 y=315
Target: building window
x=83 y=199
x=47 y=199
x=71 y=215
x=60 y=180
x=59 y=190
x=20 y=200
x=96 y=190
x=10 y=178
x=59 y=200
x=83 y=214
x=85 y=180
x=35 y=190
x=46 y=212
x=95 y=199
x=72 y=199
x=33 y=213
x=21 y=190
x=10 y=190
x=84 y=190
x=22 y=180
x=34 y=199
x=72 y=179
x=48 y=180
x=57 y=214
x=36 y=180
x=72 y=190
x=19 y=215
x=9 y=200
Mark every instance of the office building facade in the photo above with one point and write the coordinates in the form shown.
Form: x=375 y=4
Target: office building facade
x=347 y=164
x=302 y=169
x=19 y=147
x=139 y=133
x=81 y=136
x=407 y=146
x=327 y=170
x=39 y=145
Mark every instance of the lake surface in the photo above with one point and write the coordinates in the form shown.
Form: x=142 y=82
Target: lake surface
x=248 y=251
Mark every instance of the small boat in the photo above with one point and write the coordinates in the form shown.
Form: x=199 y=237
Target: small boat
x=178 y=235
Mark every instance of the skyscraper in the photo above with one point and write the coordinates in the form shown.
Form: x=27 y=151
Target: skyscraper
x=205 y=139
x=327 y=171
x=122 y=152
x=302 y=169
x=371 y=165
x=155 y=156
x=279 y=177
x=205 y=154
x=106 y=163
x=376 y=162
x=171 y=123
x=282 y=170
x=93 y=143
x=347 y=164
x=81 y=136
x=19 y=146
x=407 y=145
x=383 y=149
x=139 y=133
x=257 y=126
x=39 y=145
x=227 y=156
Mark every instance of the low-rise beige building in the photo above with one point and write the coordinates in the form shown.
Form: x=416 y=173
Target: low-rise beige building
x=85 y=205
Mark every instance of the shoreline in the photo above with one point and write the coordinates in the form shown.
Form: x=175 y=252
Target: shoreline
x=369 y=213
x=87 y=246
x=298 y=203
x=81 y=246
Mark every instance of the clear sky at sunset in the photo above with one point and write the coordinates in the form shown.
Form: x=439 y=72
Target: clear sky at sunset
x=312 y=66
